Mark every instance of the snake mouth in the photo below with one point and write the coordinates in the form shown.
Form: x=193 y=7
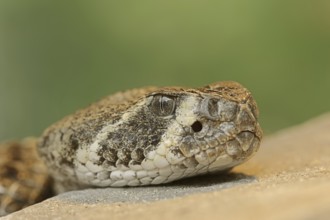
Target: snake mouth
x=238 y=147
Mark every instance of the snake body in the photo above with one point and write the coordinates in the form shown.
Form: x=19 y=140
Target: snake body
x=142 y=137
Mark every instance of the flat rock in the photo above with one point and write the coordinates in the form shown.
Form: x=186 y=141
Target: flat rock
x=289 y=178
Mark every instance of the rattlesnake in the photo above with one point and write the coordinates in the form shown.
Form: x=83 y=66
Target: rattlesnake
x=137 y=137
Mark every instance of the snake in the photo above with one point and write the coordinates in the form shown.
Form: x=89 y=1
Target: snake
x=138 y=137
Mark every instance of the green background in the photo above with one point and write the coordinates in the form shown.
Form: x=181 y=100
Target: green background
x=58 y=56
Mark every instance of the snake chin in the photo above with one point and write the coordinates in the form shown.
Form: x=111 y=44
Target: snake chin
x=217 y=155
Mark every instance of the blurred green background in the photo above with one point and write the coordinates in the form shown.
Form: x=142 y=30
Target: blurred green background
x=58 y=56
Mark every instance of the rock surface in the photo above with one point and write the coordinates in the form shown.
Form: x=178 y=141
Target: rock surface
x=289 y=178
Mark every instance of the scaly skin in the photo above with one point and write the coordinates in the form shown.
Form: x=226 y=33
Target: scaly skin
x=151 y=136
x=24 y=178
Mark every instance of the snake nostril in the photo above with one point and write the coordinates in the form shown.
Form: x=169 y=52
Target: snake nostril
x=197 y=126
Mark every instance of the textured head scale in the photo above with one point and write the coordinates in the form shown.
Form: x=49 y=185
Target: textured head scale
x=153 y=136
x=212 y=128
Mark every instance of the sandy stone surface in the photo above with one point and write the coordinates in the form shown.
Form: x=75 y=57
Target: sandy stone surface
x=289 y=178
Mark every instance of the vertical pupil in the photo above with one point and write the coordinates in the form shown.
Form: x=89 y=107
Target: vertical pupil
x=165 y=105
x=213 y=107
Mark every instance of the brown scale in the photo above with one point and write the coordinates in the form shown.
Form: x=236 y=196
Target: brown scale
x=24 y=177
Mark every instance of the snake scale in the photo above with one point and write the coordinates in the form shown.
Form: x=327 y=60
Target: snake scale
x=133 y=138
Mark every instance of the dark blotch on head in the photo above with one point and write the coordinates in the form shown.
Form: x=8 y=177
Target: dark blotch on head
x=74 y=143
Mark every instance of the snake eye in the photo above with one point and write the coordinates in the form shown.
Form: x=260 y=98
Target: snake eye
x=163 y=105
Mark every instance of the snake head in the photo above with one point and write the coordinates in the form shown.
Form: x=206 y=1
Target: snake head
x=153 y=136
x=212 y=128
